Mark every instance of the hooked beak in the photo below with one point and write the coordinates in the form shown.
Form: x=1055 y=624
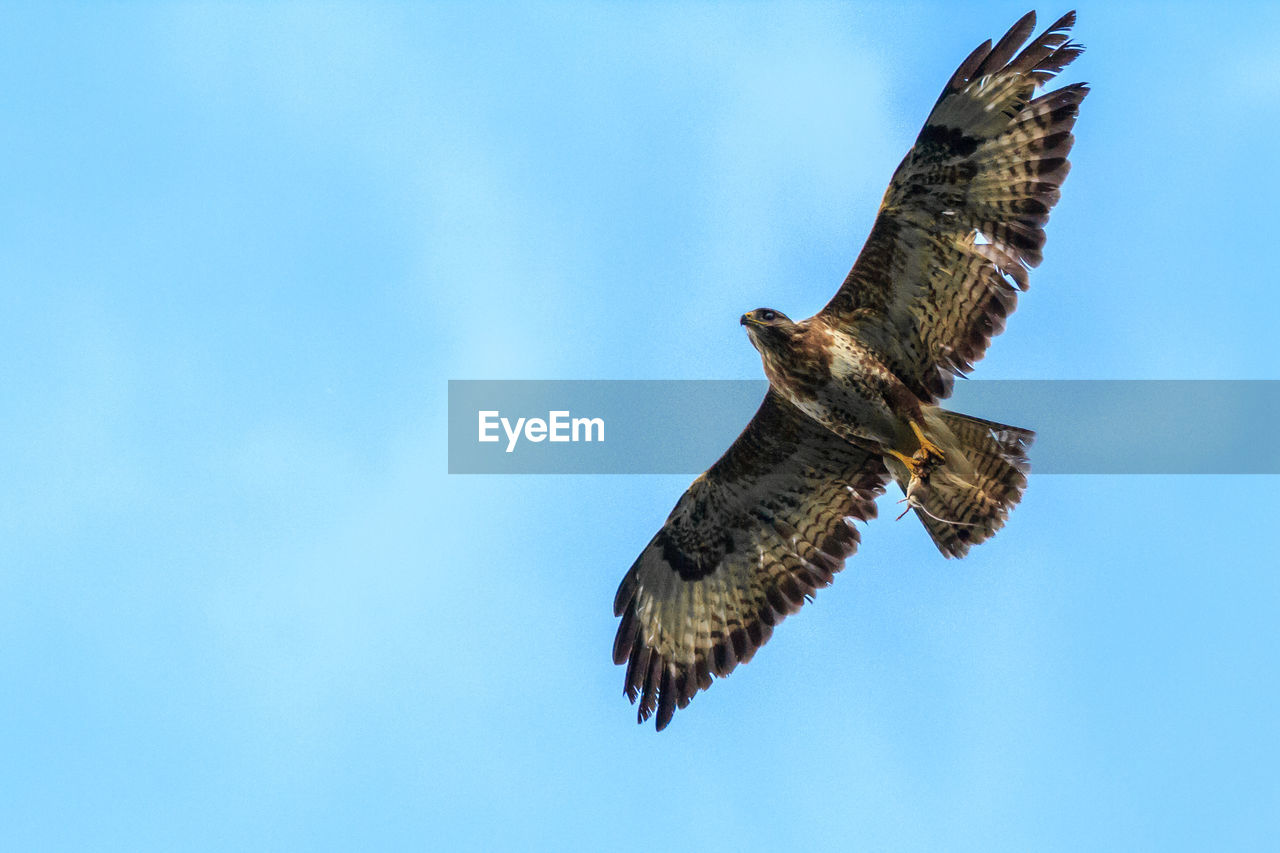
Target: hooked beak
x=748 y=319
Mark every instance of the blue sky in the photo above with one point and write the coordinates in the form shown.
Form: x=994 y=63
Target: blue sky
x=242 y=606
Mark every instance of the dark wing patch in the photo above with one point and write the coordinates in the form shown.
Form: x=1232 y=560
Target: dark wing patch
x=746 y=545
x=963 y=219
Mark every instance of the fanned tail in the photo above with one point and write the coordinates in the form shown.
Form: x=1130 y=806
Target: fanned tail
x=967 y=498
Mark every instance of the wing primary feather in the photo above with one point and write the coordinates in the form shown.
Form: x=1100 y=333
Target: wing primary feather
x=637 y=668
x=625 y=639
x=666 y=698
x=686 y=686
x=649 y=695
x=626 y=590
x=964 y=73
x=1051 y=39
x=1007 y=46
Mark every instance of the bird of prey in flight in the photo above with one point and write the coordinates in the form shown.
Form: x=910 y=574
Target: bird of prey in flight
x=854 y=390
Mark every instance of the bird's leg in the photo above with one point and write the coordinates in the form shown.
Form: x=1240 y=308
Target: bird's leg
x=929 y=453
x=924 y=460
x=903 y=458
x=920 y=465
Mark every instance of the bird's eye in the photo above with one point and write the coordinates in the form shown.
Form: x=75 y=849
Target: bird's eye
x=768 y=316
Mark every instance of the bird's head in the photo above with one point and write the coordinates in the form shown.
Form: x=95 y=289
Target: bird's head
x=767 y=328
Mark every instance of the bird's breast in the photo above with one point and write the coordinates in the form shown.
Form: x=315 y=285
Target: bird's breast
x=846 y=388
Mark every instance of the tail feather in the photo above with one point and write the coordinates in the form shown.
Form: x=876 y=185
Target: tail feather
x=968 y=497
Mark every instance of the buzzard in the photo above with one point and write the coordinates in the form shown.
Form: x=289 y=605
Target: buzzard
x=854 y=390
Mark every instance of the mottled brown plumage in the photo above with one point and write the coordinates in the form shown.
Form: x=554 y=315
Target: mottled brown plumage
x=853 y=389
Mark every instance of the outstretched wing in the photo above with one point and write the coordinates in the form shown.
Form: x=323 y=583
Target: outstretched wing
x=963 y=219
x=746 y=545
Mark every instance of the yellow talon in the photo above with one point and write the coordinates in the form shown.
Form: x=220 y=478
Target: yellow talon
x=924 y=460
x=921 y=465
x=928 y=450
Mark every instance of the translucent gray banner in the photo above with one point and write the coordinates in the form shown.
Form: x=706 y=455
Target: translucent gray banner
x=682 y=426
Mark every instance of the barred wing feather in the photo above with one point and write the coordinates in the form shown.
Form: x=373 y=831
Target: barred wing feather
x=746 y=545
x=963 y=219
